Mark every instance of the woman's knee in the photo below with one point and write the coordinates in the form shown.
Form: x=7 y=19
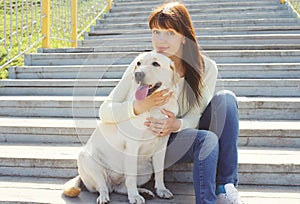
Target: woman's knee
x=225 y=97
x=208 y=144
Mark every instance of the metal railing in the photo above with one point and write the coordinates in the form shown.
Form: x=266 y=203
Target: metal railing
x=26 y=24
x=294 y=5
x=21 y=28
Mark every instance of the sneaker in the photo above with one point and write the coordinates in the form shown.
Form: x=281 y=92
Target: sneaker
x=230 y=197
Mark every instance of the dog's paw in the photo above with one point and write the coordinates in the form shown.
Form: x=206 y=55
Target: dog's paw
x=164 y=193
x=136 y=199
x=103 y=198
x=147 y=194
x=72 y=192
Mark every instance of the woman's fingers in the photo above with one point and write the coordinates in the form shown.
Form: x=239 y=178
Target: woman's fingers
x=161 y=97
x=169 y=114
x=162 y=92
x=158 y=127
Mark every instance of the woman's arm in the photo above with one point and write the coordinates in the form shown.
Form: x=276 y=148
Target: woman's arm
x=115 y=108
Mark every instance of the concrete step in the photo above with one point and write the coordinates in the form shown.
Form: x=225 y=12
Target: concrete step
x=196 y=17
x=250 y=15
x=249 y=30
x=261 y=87
x=130 y=3
x=102 y=87
x=148 y=5
x=57 y=87
x=213 y=30
x=209 y=10
x=25 y=189
x=48 y=130
x=117 y=58
x=259 y=70
x=204 y=46
x=236 y=70
x=255 y=40
x=208 y=23
x=88 y=107
x=257 y=166
x=69 y=72
x=253 y=133
x=51 y=106
x=260 y=166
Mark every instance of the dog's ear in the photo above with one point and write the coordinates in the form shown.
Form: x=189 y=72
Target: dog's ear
x=172 y=65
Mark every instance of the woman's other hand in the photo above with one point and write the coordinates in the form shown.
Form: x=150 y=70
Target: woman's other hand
x=163 y=127
x=156 y=99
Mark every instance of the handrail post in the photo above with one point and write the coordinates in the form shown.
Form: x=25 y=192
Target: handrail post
x=46 y=23
x=74 y=23
x=109 y=2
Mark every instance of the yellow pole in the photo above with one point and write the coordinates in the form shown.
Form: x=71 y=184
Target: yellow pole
x=109 y=2
x=46 y=23
x=282 y=1
x=74 y=23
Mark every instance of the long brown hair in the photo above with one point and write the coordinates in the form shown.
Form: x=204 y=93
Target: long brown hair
x=176 y=16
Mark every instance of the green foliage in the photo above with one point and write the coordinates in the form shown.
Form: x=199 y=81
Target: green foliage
x=20 y=41
x=296 y=5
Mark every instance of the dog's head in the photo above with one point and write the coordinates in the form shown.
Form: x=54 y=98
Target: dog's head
x=153 y=72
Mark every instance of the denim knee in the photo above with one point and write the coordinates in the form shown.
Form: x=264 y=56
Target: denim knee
x=208 y=144
x=224 y=97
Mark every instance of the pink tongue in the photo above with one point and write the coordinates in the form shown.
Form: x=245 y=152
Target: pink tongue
x=141 y=92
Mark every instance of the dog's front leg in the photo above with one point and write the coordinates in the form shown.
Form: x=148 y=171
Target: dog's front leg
x=131 y=159
x=158 y=161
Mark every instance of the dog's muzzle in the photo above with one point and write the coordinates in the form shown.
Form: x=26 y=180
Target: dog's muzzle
x=139 y=77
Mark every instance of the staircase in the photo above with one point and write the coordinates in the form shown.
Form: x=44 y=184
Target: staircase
x=49 y=106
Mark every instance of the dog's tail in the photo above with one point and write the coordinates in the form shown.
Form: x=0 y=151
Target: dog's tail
x=72 y=187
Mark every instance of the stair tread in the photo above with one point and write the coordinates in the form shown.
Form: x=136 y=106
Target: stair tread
x=201 y=31
x=46 y=122
x=208 y=16
x=212 y=23
x=126 y=65
x=86 y=122
x=247 y=155
x=25 y=189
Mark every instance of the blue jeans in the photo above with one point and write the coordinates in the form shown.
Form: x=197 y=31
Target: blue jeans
x=212 y=147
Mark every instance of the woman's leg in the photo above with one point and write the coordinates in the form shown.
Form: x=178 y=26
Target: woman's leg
x=221 y=117
x=201 y=148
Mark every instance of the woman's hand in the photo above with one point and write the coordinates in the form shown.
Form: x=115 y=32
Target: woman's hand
x=156 y=99
x=163 y=127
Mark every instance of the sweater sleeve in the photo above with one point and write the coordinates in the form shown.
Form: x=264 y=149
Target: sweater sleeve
x=116 y=107
x=191 y=118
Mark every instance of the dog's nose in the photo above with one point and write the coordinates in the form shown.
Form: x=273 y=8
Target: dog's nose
x=139 y=76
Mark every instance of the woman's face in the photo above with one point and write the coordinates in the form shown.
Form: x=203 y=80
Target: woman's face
x=167 y=42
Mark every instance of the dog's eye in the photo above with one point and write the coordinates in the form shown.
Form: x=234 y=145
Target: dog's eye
x=155 y=64
x=138 y=63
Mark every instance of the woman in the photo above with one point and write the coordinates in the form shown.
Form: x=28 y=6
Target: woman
x=206 y=129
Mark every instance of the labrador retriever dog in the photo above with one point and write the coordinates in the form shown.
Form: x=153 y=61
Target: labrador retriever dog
x=121 y=157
